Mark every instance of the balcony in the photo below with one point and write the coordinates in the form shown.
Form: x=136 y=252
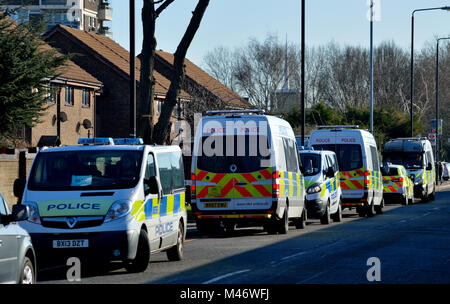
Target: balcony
x=105 y=13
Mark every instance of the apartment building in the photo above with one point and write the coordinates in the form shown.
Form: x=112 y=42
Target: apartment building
x=88 y=15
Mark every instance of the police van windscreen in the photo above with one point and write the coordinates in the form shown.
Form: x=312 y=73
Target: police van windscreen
x=410 y=160
x=349 y=156
x=239 y=153
x=85 y=170
x=311 y=163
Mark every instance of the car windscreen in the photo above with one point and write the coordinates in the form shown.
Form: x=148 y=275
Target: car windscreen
x=219 y=154
x=349 y=156
x=311 y=163
x=409 y=160
x=86 y=170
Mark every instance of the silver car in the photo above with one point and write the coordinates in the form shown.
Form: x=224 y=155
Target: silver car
x=17 y=258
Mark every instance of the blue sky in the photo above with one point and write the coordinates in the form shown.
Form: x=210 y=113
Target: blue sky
x=232 y=22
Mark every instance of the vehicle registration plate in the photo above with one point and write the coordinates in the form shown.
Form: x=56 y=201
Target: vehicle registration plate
x=70 y=243
x=216 y=205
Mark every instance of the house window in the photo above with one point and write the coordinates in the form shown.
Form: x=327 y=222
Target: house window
x=86 y=98
x=158 y=106
x=50 y=95
x=69 y=96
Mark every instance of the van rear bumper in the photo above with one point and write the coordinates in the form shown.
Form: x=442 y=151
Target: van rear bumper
x=355 y=202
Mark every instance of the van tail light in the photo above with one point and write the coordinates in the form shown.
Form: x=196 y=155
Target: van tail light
x=366 y=180
x=193 y=195
x=401 y=179
x=275 y=184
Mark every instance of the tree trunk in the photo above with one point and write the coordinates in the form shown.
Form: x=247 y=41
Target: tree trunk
x=178 y=73
x=147 y=82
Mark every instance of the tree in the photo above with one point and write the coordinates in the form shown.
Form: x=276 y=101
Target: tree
x=157 y=134
x=26 y=66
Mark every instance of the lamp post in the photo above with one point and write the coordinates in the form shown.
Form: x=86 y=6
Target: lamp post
x=132 y=124
x=371 y=67
x=437 y=97
x=445 y=8
x=303 y=74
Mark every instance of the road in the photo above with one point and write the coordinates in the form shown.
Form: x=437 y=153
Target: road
x=411 y=244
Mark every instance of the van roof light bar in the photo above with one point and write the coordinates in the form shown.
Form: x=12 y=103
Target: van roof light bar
x=128 y=141
x=96 y=141
x=228 y=112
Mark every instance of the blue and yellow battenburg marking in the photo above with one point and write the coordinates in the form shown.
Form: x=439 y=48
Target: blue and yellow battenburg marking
x=170 y=204
x=291 y=184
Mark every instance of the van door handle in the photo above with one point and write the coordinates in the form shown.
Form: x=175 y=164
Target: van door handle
x=241 y=184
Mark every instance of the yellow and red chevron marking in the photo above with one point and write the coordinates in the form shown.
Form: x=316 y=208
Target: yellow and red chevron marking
x=391 y=185
x=225 y=183
x=352 y=179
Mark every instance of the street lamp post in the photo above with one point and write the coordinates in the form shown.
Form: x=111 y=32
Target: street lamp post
x=437 y=96
x=303 y=74
x=371 y=67
x=132 y=128
x=445 y=8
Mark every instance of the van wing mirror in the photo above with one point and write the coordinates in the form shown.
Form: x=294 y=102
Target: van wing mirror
x=19 y=187
x=152 y=184
x=20 y=213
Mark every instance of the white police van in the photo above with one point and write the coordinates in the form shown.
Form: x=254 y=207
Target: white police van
x=323 y=192
x=106 y=200
x=245 y=171
x=359 y=166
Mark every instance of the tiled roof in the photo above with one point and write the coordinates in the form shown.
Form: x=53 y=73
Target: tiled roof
x=207 y=81
x=73 y=72
x=116 y=55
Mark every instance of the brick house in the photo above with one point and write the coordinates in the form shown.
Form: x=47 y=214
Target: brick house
x=109 y=63
x=71 y=100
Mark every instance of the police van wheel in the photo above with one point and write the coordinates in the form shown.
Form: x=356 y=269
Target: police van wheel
x=379 y=208
x=405 y=201
x=176 y=252
x=140 y=263
x=300 y=223
x=283 y=227
x=361 y=211
x=337 y=217
x=325 y=219
x=371 y=209
x=433 y=194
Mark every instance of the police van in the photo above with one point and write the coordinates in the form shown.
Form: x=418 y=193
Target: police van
x=360 y=176
x=397 y=185
x=323 y=192
x=245 y=171
x=106 y=200
x=416 y=155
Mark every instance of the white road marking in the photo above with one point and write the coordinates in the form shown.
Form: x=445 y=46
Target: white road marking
x=225 y=276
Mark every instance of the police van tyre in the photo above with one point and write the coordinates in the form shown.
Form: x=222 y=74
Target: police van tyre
x=140 y=263
x=27 y=275
x=433 y=194
x=176 y=252
x=370 y=209
x=325 y=219
x=379 y=208
x=300 y=222
x=337 y=217
x=283 y=224
x=405 y=201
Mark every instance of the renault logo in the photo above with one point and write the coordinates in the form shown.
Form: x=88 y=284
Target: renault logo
x=71 y=222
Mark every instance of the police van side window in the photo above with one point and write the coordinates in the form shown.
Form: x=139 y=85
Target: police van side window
x=165 y=172
x=149 y=170
x=291 y=155
x=374 y=154
x=171 y=171
x=280 y=155
x=177 y=170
